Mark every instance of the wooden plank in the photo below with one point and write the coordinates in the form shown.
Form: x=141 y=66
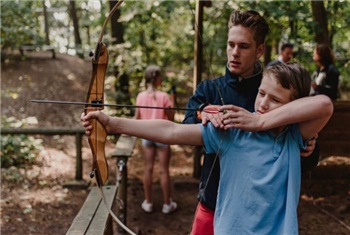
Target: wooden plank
x=125 y=146
x=102 y=222
x=330 y=134
x=37 y=48
x=334 y=139
x=82 y=221
x=93 y=216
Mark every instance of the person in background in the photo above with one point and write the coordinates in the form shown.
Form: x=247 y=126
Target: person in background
x=285 y=56
x=154 y=97
x=247 y=31
x=325 y=80
x=259 y=152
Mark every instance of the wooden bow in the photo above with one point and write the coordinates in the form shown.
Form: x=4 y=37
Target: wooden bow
x=95 y=97
x=95 y=100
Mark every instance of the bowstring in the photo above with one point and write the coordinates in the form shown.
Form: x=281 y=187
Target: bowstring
x=222 y=102
x=121 y=224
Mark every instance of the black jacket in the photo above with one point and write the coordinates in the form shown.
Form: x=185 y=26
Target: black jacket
x=329 y=86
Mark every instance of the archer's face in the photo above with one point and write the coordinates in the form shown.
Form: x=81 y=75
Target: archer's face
x=242 y=51
x=316 y=58
x=271 y=95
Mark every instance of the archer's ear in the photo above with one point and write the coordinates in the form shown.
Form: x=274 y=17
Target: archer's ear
x=260 y=51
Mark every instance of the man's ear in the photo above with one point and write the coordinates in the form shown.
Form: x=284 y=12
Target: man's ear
x=260 y=51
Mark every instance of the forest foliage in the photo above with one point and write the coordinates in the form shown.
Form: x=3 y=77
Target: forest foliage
x=162 y=33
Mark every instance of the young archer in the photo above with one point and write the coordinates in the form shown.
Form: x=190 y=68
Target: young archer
x=259 y=162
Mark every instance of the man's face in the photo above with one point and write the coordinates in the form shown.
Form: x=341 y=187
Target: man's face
x=242 y=51
x=287 y=54
x=271 y=95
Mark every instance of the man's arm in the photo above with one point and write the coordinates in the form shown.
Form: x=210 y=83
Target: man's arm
x=312 y=114
x=198 y=98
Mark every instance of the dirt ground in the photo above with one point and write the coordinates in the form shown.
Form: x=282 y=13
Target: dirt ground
x=35 y=201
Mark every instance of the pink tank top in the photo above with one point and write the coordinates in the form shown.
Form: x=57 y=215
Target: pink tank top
x=159 y=99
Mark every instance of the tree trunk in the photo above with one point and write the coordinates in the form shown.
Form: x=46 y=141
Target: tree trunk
x=320 y=16
x=74 y=17
x=46 y=23
x=116 y=27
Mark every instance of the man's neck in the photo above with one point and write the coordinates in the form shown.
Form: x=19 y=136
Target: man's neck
x=256 y=69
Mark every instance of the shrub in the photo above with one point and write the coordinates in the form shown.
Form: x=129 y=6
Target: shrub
x=18 y=150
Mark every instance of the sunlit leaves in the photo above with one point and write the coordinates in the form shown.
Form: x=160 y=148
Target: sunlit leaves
x=19 y=24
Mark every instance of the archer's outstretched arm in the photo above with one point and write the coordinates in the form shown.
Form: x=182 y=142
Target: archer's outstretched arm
x=157 y=130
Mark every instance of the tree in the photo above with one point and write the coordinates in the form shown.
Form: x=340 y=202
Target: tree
x=116 y=26
x=46 y=24
x=19 y=24
x=320 y=16
x=75 y=20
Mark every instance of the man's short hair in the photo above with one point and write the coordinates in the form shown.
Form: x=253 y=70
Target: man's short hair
x=251 y=20
x=287 y=45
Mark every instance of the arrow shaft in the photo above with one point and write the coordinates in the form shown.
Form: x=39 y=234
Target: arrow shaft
x=109 y=105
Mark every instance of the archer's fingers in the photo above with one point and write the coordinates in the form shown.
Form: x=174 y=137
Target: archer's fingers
x=88 y=132
x=205 y=119
x=230 y=107
x=86 y=122
x=214 y=119
x=90 y=115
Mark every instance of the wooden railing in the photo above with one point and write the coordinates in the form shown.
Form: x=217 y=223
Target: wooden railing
x=24 y=48
x=334 y=139
x=93 y=217
x=78 y=132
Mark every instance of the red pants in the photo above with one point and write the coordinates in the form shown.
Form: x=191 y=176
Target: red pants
x=203 y=222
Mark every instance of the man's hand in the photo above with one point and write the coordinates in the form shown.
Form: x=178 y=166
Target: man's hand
x=310 y=147
x=212 y=114
x=96 y=115
x=237 y=117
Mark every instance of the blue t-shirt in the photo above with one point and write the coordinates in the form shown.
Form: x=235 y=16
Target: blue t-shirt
x=259 y=180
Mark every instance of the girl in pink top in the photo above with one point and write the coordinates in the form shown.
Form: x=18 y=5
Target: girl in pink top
x=153 y=97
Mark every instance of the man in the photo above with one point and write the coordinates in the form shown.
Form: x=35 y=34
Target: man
x=239 y=86
x=285 y=56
